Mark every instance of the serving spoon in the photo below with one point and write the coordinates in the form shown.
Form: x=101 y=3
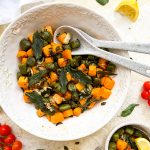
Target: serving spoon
x=119 y=45
x=87 y=48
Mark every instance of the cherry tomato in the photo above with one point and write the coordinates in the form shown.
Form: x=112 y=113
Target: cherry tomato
x=5 y=130
x=1 y=142
x=146 y=85
x=17 y=145
x=7 y=148
x=10 y=139
x=145 y=95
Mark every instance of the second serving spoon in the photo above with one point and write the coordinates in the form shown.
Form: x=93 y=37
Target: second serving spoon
x=87 y=48
x=121 y=45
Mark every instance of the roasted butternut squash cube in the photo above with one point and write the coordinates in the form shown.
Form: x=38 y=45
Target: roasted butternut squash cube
x=67 y=54
x=21 y=54
x=57 y=98
x=105 y=93
x=64 y=38
x=82 y=101
x=49 y=60
x=80 y=86
x=107 y=82
x=102 y=63
x=96 y=93
x=62 y=62
x=53 y=77
x=68 y=113
x=82 y=67
x=30 y=53
x=92 y=70
x=61 y=37
x=57 y=117
x=24 y=60
x=121 y=145
x=77 y=111
x=40 y=113
x=46 y=50
x=67 y=95
x=23 y=82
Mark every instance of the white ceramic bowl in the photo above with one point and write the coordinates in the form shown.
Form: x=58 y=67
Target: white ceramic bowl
x=143 y=128
x=11 y=96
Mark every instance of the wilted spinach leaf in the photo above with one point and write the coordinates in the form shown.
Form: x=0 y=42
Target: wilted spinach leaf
x=36 y=77
x=77 y=74
x=37 y=45
x=128 y=110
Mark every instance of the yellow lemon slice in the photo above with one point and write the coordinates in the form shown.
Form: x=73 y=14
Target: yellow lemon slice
x=129 y=8
x=142 y=144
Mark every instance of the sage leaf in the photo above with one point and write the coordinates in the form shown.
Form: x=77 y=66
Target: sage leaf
x=103 y=73
x=77 y=74
x=37 y=100
x=102 y=2
x=63 y=81
x=36 y=77
x=128 y=110
x=37 y=45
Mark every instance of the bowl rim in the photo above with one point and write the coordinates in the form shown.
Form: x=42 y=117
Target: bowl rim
x=59 y=3
x=35 y=8
x=132 y=123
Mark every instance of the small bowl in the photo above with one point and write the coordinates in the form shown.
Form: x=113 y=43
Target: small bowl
x=139 y=126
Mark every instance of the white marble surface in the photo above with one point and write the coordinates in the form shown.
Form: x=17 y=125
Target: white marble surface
x=138 y=31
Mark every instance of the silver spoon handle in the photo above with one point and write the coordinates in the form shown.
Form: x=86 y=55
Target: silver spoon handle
x=126 y=46
x=126 y=62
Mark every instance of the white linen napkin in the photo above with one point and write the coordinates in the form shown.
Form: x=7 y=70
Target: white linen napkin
x=9 y=9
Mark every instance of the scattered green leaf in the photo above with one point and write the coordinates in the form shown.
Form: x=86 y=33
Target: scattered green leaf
x=128 y=110
x=102 y=2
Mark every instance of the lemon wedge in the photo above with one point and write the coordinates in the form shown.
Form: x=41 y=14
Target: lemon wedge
x=129 y=8
x=142 y=144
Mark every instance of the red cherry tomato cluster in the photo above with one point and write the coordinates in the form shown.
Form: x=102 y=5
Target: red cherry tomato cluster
x=146 y=91
x=8 y=140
